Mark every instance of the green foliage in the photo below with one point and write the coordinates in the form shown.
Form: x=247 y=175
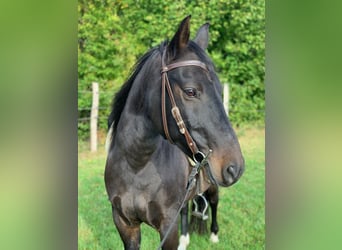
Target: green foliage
x=113 y=34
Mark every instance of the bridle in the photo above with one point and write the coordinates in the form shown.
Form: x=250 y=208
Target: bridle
x=196 y=154
x=200 y=159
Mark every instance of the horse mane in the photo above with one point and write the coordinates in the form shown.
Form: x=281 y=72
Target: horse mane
x=120 y=98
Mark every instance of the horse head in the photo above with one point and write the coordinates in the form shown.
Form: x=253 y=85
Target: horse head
x=197 y=92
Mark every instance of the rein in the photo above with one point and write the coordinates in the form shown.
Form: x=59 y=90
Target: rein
x=200 y=159
x=190 y=185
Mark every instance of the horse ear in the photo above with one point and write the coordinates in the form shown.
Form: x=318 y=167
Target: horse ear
x=202 y=36
x=181 y=38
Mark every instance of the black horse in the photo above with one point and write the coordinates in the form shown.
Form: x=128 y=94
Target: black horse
x=147 y=170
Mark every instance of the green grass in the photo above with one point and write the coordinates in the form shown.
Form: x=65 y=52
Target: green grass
x=241 y=211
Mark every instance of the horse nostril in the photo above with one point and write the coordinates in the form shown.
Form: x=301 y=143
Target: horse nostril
x=232 y=170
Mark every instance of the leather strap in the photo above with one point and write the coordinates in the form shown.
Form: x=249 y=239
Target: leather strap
x=183 y=64
x=175 y=110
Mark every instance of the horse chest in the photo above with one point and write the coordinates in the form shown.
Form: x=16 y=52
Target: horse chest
x=135 y=208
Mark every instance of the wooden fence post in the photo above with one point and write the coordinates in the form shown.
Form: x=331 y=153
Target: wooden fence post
x=93 y=117
x=226 y=97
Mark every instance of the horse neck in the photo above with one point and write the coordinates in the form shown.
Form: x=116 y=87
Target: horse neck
x=136 y=135
x=136 y=139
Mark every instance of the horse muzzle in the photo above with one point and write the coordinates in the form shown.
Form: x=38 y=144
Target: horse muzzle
x=232 y=173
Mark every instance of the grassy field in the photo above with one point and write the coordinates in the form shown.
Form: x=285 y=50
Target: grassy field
x=241 y=211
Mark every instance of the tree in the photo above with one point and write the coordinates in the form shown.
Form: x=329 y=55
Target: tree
x=113 y=34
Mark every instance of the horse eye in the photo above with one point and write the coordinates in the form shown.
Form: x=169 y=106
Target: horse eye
x=191 y=92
